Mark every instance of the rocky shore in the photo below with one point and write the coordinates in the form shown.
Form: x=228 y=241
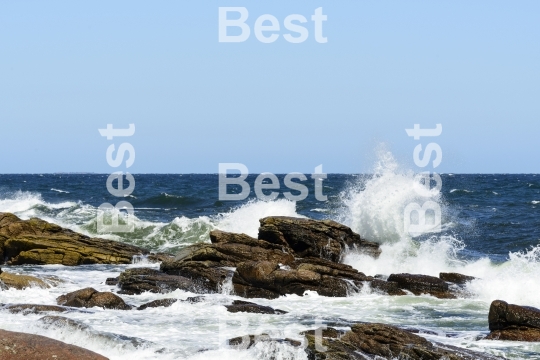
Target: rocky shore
x=290 y=256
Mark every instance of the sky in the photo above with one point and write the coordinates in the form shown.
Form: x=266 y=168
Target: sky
x=70 y=68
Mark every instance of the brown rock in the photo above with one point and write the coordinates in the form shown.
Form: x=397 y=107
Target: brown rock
x=423 y=284
x=34 y=308
x=326 y=239
x=247 y=341
x=158 y=303
x=513 y=322
x=21 y=281
x=90 y=297
x=16 y=346
x=38 y=242
x=245 y=306
x=138 y=280
x=456 y=278
x=366 y=341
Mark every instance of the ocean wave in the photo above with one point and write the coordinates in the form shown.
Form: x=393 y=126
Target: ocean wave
x=461 y=190
x=60 y=191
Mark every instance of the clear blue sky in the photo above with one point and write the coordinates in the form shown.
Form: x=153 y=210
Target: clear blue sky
x=68 y=68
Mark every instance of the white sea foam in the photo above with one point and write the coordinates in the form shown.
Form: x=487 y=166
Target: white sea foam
x=60 y=191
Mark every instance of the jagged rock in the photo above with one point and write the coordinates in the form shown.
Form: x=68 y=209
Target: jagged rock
x=90 y=297
x=513 y=322
x=138 y=280
x=158 y=303
x=423 y=284
x=194 y=299
x=314 y=238
x=33 y=308
x=456 y=278
x=245 y=306
x=206 y=264
x=22 y=281
x=38 y=242
x=366 y=341
x=266 y=279
x=247 y=341
x=16 y=345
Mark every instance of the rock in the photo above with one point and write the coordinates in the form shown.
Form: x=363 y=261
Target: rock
x=111 y=281
x=159 y=257
x=34 y=308
x=22 y=281
x=16 y=345
x=456 y=278
x=158 y=303
x=38 y=242
x=366 y=341
x=194 y=299
x=90 y=297
x=247 y=341
x=138 y=280
x=266 y=279
x=208 y=265
x=423 y=284
x=513 y=322
x=314 y=238
x=245 y=306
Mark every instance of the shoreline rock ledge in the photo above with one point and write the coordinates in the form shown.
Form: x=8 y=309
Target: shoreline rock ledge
x=38 y=242
x=290 y=256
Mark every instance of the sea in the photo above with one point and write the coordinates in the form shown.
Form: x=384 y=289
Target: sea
x=490 y=230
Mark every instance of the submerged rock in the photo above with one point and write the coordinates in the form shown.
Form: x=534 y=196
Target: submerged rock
x=423 y=284
x=16 y=345
x=38 y=242
x=90 y=297
x=33 y=308
x=247 y=341
x=366 y=341
x=245 y=306
x=158 y=303
x=326 y=239
x=21 y=281
x=513 y=322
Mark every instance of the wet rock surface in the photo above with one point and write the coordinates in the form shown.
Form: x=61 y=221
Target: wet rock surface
x=16 y=346
x=21 y=281
x=33 y=308
x=138 y=280
x=423 y=284
x=513 y=322
x=326 y=239
x=247 y=341
x=90 y=297
x=456 y=278
x=38 y=242
x=367 y=341
x=245 y=306
x=157 y=303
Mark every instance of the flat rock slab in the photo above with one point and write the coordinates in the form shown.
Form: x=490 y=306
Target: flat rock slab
x=38 y=242
x=17 y=346
x=423 y=284
x=21 y=282
x=33 y=308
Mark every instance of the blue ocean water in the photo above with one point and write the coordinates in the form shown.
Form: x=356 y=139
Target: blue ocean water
x=493 y=214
